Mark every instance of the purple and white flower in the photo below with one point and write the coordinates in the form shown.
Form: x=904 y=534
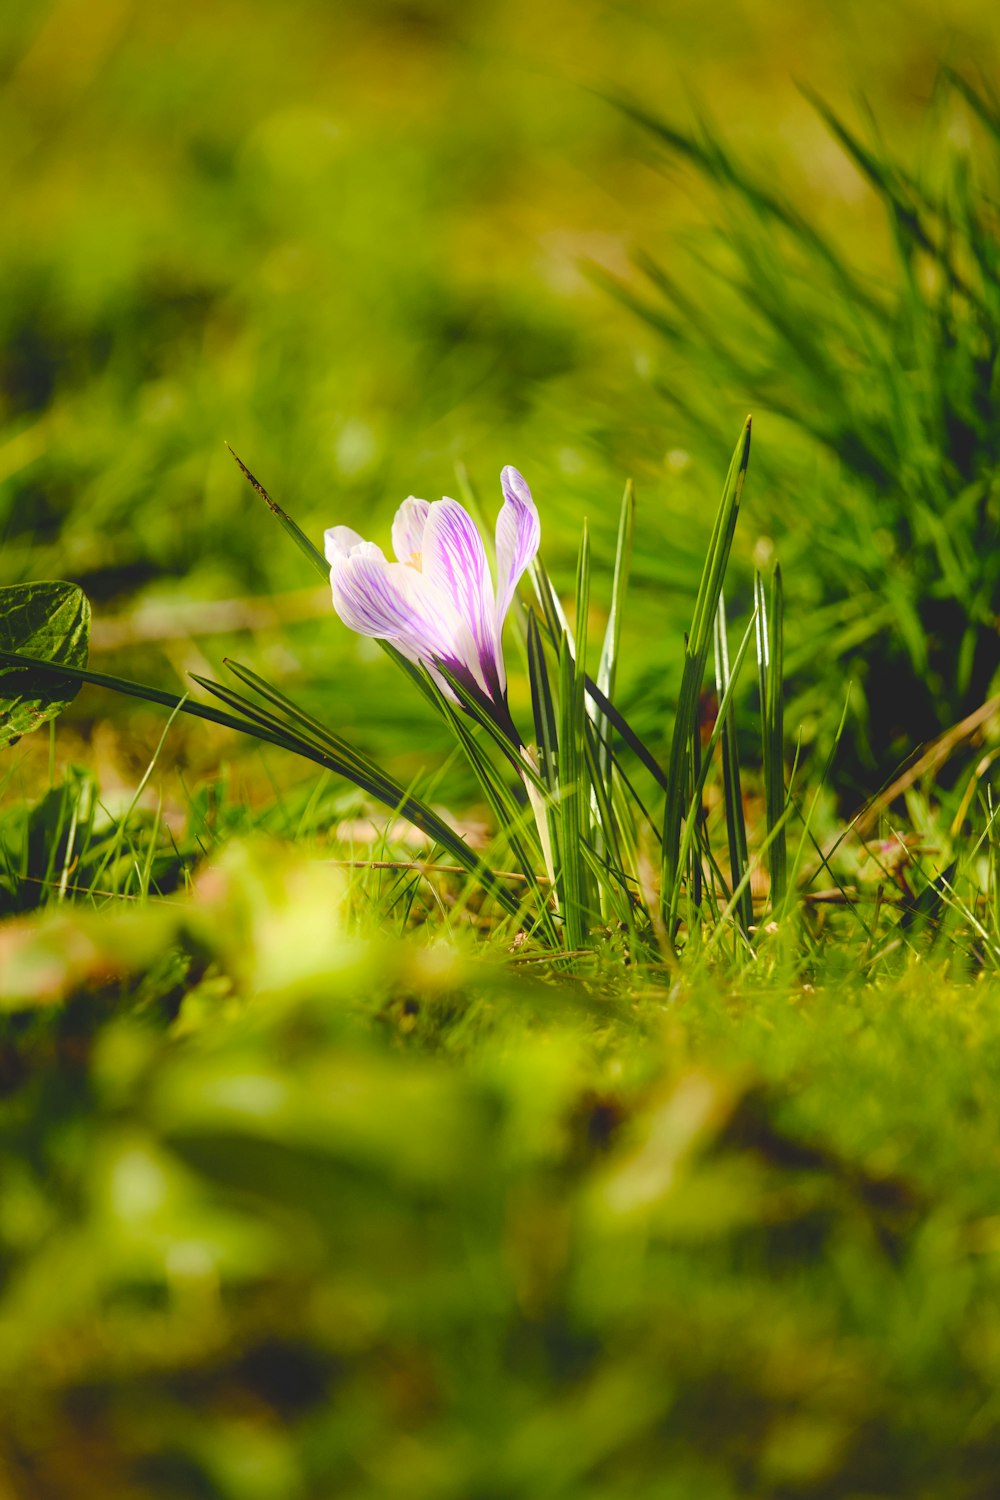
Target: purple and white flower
x=436 y=603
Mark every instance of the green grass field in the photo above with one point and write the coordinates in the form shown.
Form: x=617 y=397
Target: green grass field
x=408 y=1089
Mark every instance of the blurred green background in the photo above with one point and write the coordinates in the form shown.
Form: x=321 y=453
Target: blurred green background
x=300 y=1197
x=355 y=242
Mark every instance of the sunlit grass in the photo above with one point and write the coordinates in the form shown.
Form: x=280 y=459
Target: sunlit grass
x=388 y=1108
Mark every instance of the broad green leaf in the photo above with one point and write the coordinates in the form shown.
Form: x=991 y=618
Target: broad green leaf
x=50 y=621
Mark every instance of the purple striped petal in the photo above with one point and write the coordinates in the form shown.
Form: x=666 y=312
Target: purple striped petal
x=454 y=564
x=518 y=535
x=395 y=603
x=408 y=529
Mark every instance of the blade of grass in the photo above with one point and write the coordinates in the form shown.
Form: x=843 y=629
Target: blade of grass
x=608 y=665
x=510 y=818
x=695 y=656
x=689 y=839
x=407 y=806
x=573 y=873
x=770 y=659
x=296 y=533
x=736 y=828
x=543 y=709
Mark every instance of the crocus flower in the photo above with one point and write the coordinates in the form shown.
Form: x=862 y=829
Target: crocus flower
x=436 y=603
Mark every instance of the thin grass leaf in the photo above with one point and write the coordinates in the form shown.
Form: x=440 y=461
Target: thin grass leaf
x=147 y=694
x=886 y=180
x=553 y=613
x=356 y=765
x=736 y=828
x=985 y=110
x=695 y=655
x=770 y=666
x=706 y=155
x=315 y=731
x=617 y=720
x=406 y=805
x=608 y=666
x=689 y=839
x=774 y=740
x=542 y=707
x=510 y=818
x=557 y=628
x=363 y=773
x=296 y=533
x=477 y=710
x=610 y=866
x=575 y=886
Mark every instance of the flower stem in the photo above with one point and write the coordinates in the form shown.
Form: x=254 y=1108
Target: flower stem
x=540 y=811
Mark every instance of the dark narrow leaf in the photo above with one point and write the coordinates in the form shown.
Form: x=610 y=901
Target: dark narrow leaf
x=639 y=749
x=383 y=789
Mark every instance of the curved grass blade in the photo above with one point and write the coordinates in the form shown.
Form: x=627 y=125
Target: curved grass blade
x=264 y=728
x=363 y=773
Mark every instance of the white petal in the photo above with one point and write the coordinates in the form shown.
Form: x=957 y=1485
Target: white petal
x=518 y=535
x=408 y=528
x=338 y=541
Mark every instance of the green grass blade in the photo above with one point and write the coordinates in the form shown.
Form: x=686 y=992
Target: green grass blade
x=573 y=872
x=357 y=766
x=608 y=665
x=774 y=760
x=158 y=696
x=407 y=806
x=695 y=656
x=770 y=668
x=511 y=820
x=543 y=708
x=296 y=533
x=701 y=767
x=553 y=613
x=736 y=828
x=482 y=715
x=617 y=720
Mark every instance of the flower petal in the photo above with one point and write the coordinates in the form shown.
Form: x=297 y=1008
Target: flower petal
x=408 y=528
x=518 y=535
x=395 y=603
x=339 y=540
x=454 y=564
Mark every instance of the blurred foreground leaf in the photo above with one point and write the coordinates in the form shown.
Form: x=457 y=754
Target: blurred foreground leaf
x=51 y=621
